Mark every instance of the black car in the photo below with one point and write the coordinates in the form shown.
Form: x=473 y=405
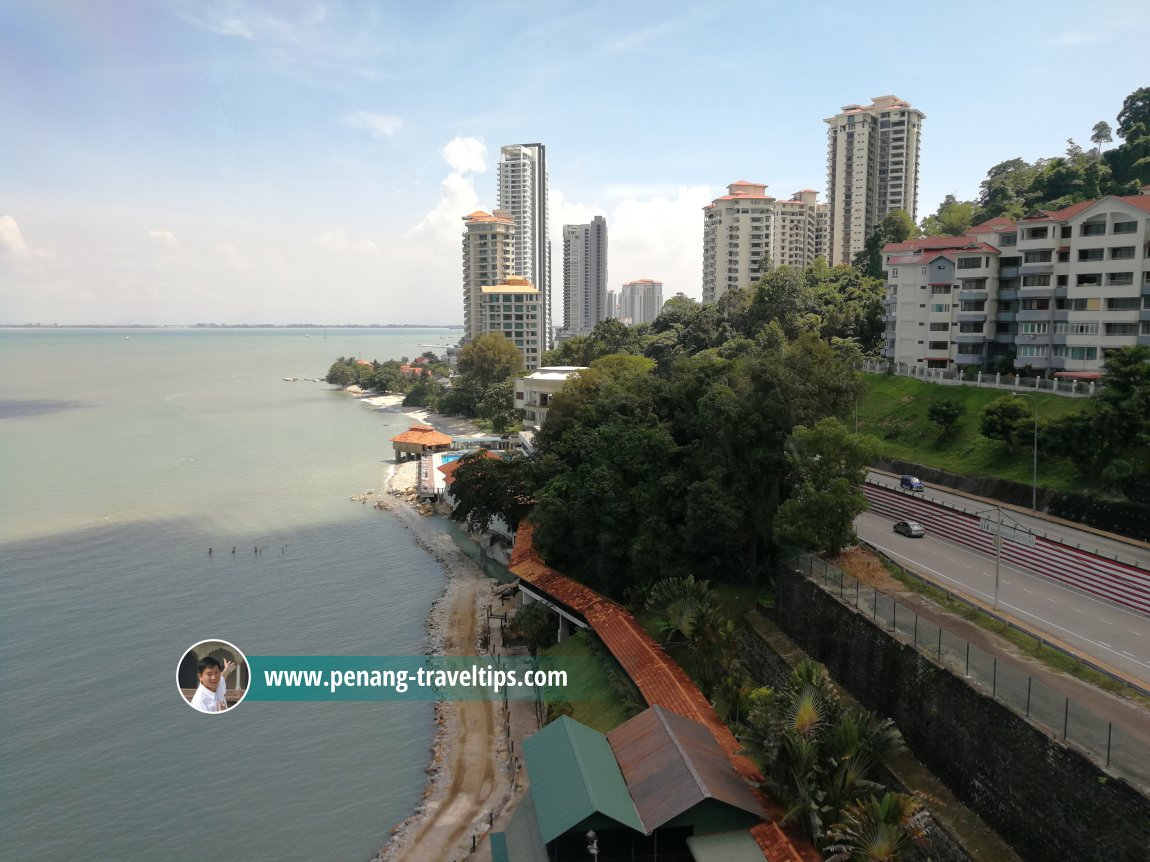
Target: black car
x=912 y=529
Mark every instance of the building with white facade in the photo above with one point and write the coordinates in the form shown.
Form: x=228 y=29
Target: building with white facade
x=1055 y=290
x=534 y=392
x=746 y=231
x=488 y=258
x=523 y=193
x=584 y=275
x=640 y=301
x=872 y=168
x=515 y=309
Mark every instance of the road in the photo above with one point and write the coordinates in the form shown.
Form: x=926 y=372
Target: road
x=1136 y=554
x=1112 y=635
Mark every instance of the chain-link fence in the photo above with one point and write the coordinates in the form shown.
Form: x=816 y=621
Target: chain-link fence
x=1106 y=743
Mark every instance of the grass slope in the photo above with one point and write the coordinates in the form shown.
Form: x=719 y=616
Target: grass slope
x=893 y=410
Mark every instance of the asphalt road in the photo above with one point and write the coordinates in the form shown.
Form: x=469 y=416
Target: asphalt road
x=1113 y=549
x=1115 y=636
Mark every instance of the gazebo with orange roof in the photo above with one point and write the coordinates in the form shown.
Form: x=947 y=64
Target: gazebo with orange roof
x=419 y=440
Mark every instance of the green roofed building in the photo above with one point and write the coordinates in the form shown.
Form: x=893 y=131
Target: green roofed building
x=649 y=790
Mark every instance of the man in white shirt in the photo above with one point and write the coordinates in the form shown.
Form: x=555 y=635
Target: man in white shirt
x=211 y=696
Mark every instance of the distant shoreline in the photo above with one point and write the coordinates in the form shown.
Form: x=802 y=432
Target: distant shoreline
x=231 y=326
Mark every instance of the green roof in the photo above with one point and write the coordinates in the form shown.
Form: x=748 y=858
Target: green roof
x=725 y=847
x=574 y=775
x=521 y=841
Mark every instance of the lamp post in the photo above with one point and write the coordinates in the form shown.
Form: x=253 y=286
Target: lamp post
x=1034 y=479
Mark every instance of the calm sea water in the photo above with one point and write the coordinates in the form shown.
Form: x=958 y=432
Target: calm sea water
x=124 y=456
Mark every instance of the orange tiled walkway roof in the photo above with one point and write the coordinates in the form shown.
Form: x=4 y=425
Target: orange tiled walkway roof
x=424 y=435
x=661 y=682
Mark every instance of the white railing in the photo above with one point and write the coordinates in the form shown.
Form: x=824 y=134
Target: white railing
x=985 y=380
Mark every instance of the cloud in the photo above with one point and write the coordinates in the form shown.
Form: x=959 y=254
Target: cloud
x=163 y=239
x=466 y=155
x=457 y=195
x=233 y=257
x=339 y=241
x=1073 y=39
x=11 y=239
x=380 y=125
x=652 y=235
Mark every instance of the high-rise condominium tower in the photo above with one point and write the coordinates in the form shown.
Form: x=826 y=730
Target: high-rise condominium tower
x=523 y=193
x=488 y=255
x=746 y=230
x=640 y=301
x=584 y=275
x=872 y=168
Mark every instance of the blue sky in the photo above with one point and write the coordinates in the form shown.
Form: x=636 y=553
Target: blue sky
x=235 y=161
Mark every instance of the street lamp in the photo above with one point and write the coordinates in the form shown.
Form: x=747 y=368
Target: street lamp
x=1034 y=480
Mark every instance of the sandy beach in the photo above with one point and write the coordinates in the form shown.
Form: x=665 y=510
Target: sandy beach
x=473 y=774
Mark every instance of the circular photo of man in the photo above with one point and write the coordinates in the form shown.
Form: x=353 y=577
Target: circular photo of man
x=213 y=676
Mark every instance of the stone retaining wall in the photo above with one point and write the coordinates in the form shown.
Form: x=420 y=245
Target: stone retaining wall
x=1047 y=800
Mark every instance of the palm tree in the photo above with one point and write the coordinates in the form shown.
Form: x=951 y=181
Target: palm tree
x=878 y=829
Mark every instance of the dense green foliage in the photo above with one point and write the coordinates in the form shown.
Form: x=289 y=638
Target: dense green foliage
x=386 y=376
x=946 y=413
x=487 y=488
x=896 y=226
x=820 y=756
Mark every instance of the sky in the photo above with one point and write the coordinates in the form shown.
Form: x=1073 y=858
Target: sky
x=310 y=161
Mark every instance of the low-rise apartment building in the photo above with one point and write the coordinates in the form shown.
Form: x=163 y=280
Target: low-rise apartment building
x=534 y=392
x=514 y=308
x=1055 y=290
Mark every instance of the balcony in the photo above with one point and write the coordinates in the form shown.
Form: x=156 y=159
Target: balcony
x=971 y=316
x=973 y=295
x=1037 y=268
x=1035 y=314
x=1004 y=338
x=1008 y=272
x=968 y=337
x=1005 y=316
x=1044 y=292
x=1032 y=361
x=1007 y=294
x=969 y=359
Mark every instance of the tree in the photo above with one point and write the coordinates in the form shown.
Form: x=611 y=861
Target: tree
x=497 y=405
x=342 y=372
x=878 y=830
x=827 y=468
x=946 y=413
x=487 y=487
x=1100 y=134
x=490 y=358
x=534 y=624
x=1135 y=112
x=896 y=226
x=954 y=218
x=1002 y=419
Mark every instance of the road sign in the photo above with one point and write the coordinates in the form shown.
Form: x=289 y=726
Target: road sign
x=1013 y=534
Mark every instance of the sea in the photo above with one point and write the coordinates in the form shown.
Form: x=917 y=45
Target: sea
x=125 y=454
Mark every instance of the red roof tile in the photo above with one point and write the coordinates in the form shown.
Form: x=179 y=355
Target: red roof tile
x=424 y=435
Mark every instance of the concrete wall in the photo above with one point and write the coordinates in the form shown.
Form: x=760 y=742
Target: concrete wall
x=1047 y=800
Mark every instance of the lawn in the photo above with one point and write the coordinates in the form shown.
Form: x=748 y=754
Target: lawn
x=893 y=410
x=617 y=699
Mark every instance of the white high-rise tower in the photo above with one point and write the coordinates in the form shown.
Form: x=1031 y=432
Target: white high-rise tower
x=523 y=193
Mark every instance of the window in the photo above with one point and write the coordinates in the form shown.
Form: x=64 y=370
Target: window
x=1122 y=252
x=1122 y=329
x=1032 y=351
x=1030 y=328
x=1091 y=278
x=940 y=327
x=1063 y=351
x=1125 y=227
x=1066 y=231
x=1041 y=256
x=1069 y=328
x=1035 y=304
x=940 y=288
x=1063 y=280
x=940 y=307
x=894 y=272
x=1008 y=239
x=1090 y=253
x=973 y=305
x=970 y=329
x=939 y=345
x=1120 y=278
x=1036 y=232
x=1036 y=281
x=1093 y=228
x=1063 y=256
x=969 y=262
x=1124 y=303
